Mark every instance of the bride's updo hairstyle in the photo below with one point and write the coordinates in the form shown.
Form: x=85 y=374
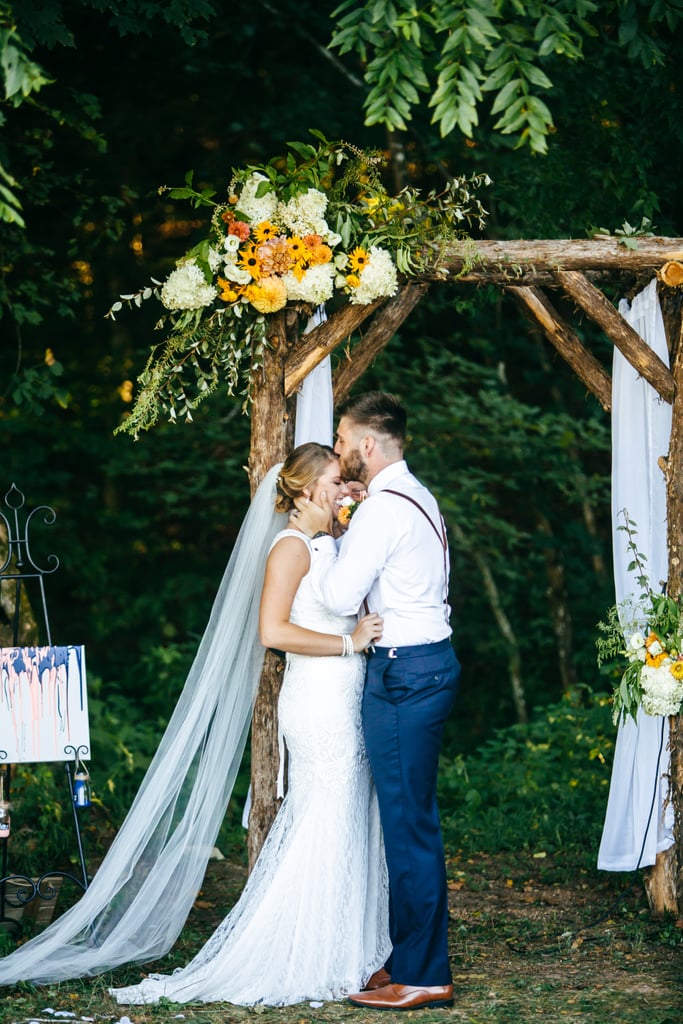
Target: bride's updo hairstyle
x=301 y=469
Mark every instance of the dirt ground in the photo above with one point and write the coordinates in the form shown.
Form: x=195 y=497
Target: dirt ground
x=526 y=945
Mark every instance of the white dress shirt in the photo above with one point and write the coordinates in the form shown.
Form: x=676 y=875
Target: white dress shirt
x=392 y=555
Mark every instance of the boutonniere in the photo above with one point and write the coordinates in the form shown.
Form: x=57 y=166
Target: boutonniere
x=348 y=506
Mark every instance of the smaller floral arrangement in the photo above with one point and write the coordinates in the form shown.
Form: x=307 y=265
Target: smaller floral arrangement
x=648 y=632
x=347 y=506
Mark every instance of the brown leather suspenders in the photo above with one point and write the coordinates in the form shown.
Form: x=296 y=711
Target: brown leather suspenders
x=442 y=535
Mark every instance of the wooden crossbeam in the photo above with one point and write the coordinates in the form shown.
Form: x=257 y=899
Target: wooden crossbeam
x=630 y=344
x=496 y=261
x=564 y=339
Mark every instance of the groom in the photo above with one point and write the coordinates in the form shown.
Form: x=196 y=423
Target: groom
x=395 y=554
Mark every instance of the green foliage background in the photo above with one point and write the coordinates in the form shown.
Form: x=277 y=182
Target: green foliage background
x=515 y=448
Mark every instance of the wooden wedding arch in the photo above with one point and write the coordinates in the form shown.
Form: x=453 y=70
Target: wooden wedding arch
x=531 y=272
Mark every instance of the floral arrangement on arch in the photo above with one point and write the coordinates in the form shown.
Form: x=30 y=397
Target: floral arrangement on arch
x=303 y=230
x=648 y=632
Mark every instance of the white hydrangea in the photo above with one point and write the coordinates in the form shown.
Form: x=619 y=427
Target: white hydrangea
x=187 y=288
x=662 y=693
x=316 y=286
x=304 y=214
x=256 y=210
x=377 y=279
x=215 y=259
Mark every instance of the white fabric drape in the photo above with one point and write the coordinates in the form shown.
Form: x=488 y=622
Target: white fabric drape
x=638 y=820
x=314 y=400
x=141 y=895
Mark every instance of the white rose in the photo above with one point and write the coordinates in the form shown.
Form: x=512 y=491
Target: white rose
x=637 y=641
x=236 y=274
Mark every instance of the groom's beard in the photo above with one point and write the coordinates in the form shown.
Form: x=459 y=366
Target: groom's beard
x=353 y=468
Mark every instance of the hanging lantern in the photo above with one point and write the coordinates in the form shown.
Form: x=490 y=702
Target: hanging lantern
x=4 y=820
x=4 y=810
x=81 y=788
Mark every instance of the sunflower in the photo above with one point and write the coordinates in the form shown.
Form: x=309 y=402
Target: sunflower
x=358 y=260
x=265 y=231
x=250 y=261
x=298 y=249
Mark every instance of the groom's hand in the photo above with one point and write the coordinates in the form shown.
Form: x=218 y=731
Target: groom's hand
x=311 y=518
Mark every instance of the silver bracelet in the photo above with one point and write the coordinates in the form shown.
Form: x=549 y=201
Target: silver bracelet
x=347 y=642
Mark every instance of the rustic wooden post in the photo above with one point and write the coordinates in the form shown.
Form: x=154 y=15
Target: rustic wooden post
x=665 y=880
x=272 y=431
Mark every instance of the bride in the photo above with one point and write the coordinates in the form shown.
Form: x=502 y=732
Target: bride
x=312 y=922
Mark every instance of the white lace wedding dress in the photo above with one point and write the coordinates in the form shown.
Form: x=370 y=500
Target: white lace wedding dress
x=312 y=922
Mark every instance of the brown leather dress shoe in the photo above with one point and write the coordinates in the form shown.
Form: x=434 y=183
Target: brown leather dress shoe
x=377 y=980
x=405 y=997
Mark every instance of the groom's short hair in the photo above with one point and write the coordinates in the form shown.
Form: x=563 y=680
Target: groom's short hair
x=379 y=411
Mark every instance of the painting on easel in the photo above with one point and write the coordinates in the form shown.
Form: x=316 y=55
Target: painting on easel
x=43 y=704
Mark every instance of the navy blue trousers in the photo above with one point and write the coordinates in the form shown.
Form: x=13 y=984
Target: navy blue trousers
x=405 y=704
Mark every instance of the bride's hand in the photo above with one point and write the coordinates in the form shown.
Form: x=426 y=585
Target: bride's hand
x=368 y=631
x=311 y=518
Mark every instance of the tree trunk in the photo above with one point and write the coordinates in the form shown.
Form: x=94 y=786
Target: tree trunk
x=502 y=621
x=272 y=431
x=559 y=605
x=665 y=882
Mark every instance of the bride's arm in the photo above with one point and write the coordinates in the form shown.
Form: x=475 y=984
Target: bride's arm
x=287 y=564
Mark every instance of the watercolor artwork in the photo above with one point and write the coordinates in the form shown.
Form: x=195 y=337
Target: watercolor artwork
x=43 y=704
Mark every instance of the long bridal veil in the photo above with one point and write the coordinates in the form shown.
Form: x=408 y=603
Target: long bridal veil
x=142 y=893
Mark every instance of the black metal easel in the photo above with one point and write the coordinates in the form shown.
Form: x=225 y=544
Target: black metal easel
x=19 y=567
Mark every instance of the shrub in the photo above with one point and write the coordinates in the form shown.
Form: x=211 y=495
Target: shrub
x=539 y=787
